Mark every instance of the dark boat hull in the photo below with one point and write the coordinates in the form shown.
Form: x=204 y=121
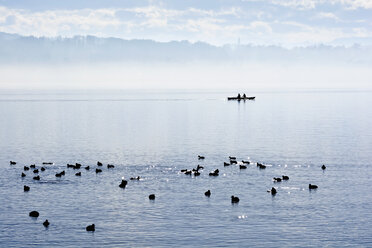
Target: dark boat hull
x=241 y=98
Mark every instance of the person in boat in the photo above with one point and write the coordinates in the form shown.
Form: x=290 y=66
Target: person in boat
x=239 y=96
x=244 y=96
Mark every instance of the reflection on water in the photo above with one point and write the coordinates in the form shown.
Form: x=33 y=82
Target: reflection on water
x=156 y=134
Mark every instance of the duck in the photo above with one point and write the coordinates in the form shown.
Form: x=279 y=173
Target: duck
x=242 y=167
x=201 y=157
x=26 y=188
x=99 y=163
x=245 y=162
x=232 y=158
x=63 y=173
x=109 y=166
x=58 y=175
x=207 y=193
x=36 y=178
x=323 y=167
x=78 y=174
x=188 y=172
x=48 y=163
x=12 y=162
x=234 y=199
x=98 y=170
x=70 y=166
x=313 y=186
x=277 y=179
x=46 y=223
x=152 y=197
x=233 y=162
x=214 y=173
x=36 y=171
x=34 y=214
x=135 y=178
x=285 y=177
x=77 y=166
x=26 y=168
x=42 y=169
x=90 y=228
x=33 y=166
x=272 y=191
x=226 y=164
x=261 y=166
x=123 y=184
x=196 y=173
x=87 y=167
x=23 y=174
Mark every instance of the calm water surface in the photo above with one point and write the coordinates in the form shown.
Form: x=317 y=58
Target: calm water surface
x=155 y=135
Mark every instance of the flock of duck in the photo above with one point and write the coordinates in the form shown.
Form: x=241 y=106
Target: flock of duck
x=195 y=171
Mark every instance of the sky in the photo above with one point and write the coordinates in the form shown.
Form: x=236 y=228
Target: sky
x=286 y=23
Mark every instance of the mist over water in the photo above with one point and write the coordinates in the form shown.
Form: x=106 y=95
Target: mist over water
x=155 y=134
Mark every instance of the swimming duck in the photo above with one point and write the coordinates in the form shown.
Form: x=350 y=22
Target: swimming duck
x=245 y=162
x=91 y=228
x=152 y=197
x=109 y=166
x=36 y=178
x=26 y=188
x=285 y=177
x=99 y=163
x=234 y=199
x=196 y=173
x=135 y=178
x=36 y=171
x=25 y=168
x=214 y=173
x=123 y=184
x=87 y=167
x=242 y=167
x=313 y=186
x=201 y=157
x=277 y=179
x=34 y=214
x=33 y=166
x=78 y=174
x=70 y=166
x=232 y=158
x=207 y=193
x=98 y=170
x=323 y=167
x=46 y=223
x=273 y=191
x=226 y=164
x=47 y=162
x=233 y=162
x=23 y=174
x=42 y=169
x=12 y=162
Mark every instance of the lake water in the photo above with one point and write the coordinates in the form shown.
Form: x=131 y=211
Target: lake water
x=156 y=134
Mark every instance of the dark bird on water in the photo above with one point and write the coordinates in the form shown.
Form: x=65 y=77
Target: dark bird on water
x=233 y=162
x=135 y=178
x=36 y=171
x=313 y=186
x=234 y=199
x=245 y=162
x=78 y=174
x=34 y=214
x=91 y=228
x=232 y=158
x=70 y=166
x=214 y=173
x=207 y=193
x=26 y=168
x=272 y=191
x=226 y=164
x=242 y=167
x=109 y=166
x=196 y=173
x=123 y=184
x=99 y=163
x=36 y=178
x=285 y=177
x=32 y=166
x=201 y=157
x=47 y=162
x=152 y=197
x=87 y=167
x=26 y=188
x=12 y=162
x=277 y=179
x=98 y=170
x=58 y=175
x=323 y=167
x=42 y=169
x=23 y=174
x=46 y=223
